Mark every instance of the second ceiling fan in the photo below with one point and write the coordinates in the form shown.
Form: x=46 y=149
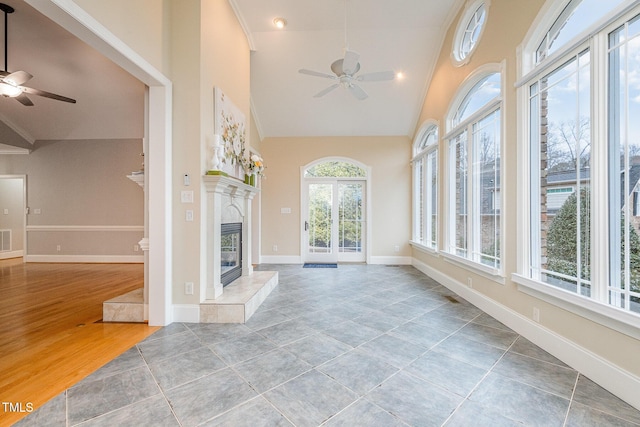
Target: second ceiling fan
x=345 y=69
x=11 y=83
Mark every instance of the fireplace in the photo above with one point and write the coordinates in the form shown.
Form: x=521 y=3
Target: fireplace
x=227 y=255
x=230 y=252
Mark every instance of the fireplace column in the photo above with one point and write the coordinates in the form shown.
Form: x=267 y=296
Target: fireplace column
x=227 y=199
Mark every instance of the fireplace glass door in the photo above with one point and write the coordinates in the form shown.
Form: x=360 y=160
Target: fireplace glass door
x=231 y=252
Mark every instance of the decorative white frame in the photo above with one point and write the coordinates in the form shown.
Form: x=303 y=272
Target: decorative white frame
x=225 y=113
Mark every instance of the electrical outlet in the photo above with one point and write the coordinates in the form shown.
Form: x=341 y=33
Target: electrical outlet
x=58 y=248
x=6 y=211
x=396 y=248
x=188 y=288
x=37 y=211
x=536 y=314
x=136 y=248
x=188 y=215
x=275 y=248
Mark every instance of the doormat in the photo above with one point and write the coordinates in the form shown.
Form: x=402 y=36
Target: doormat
x=319 y=265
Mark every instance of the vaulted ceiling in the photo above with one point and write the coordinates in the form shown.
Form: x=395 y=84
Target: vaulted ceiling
x=401 y=35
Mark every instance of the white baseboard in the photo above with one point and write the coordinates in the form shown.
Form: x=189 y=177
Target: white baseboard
x=103 y=259
x=186 y=313
x=391 y=260
x=280 y=259
x=616 y=380
x=11 y=254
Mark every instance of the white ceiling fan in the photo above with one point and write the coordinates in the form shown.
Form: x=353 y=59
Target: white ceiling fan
x=345 y=69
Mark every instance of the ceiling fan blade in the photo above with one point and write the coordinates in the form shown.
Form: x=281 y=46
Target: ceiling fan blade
x=316 y=74
x=39 y=92
x=350 y=62
x=358 y=92
x=18 y=78
x=377 y=77
x=326 y=91
x=24 y=100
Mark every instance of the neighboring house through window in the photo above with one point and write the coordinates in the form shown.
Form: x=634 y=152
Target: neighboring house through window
x=581 y=143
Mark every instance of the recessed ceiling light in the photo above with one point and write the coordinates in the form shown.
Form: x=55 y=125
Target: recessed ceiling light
x=399 y=75
x=280 y=23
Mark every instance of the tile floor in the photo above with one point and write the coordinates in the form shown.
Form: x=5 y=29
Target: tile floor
x=353 y=346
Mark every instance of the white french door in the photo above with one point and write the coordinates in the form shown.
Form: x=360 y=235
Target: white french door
x=334 y=227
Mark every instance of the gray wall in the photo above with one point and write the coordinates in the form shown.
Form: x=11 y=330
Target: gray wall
x=80 y=198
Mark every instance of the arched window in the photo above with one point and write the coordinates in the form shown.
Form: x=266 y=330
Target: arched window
x=473 y=170
x=576 y=16
x=469 y=31
x=484 y=91
x=581 y=145
x=425 y=186
x=335 y=169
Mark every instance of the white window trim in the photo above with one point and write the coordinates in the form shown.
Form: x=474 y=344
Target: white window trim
x=470 y=10
x=527 y=68
x=420 y=156
x=619 y=320
x=493 y=274
x=422 y=248
x=496 y=275
x=598 y=311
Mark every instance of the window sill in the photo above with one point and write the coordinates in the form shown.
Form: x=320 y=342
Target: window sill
x=422 y=248
x=619 y=320
x=479 y=269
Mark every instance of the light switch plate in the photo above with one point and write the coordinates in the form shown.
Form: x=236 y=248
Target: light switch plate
x=186 y=196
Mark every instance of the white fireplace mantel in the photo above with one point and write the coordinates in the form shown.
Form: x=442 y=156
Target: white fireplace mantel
x=225 y=196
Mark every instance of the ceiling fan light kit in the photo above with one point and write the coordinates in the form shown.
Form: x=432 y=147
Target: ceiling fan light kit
x=11 y=83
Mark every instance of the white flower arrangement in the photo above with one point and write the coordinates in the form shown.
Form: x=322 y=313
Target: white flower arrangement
x=253 y=165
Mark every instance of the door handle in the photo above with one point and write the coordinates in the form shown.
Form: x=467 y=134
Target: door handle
x=306 y=226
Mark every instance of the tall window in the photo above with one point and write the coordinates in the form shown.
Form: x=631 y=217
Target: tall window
x=624 y=164
x=475 y=201
x=425 y=191
x=583 y=144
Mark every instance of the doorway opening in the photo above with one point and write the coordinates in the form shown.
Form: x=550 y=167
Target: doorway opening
x=13 y=205
x=335 y=198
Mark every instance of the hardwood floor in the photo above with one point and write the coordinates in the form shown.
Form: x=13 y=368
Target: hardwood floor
x=51 y=334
